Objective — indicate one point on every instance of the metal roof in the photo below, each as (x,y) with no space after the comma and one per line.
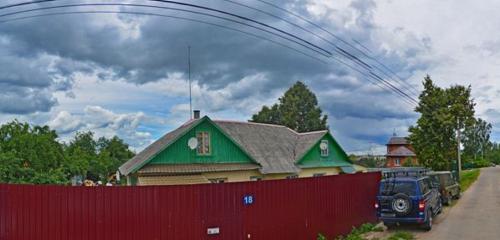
(401,152)
(398,141)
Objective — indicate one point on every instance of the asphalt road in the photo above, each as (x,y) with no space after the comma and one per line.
(475,216)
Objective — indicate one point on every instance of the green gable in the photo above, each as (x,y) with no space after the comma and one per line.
(336,155)
(223,149)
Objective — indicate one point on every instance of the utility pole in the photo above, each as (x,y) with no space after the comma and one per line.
(189,79)
(459,161)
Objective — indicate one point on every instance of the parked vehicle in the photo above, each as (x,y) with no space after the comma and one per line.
(447,186)
(406,196)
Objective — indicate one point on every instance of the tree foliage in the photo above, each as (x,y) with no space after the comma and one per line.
(297,109)
(477,139)
(32,154)
(442,113)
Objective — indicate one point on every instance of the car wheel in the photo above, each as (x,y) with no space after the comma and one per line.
(401,204)
(428,222)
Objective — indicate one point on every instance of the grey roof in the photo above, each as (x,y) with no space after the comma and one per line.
(398,141)
(194,168)
(276,148)
(155,148)
(401,152)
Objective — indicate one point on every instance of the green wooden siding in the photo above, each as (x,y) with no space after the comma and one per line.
(336,157)
(223,150)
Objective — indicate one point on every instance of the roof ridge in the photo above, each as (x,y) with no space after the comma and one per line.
(312,132)
(253,123)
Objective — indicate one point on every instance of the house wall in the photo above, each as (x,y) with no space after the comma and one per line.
(336,156)
(391,161)
(232,176)
(223,150)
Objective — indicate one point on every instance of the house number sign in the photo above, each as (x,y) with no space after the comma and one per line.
(248,199)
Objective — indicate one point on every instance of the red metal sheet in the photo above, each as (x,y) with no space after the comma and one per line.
(281,209)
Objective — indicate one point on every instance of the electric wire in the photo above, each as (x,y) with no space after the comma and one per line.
(166,16)
(199,7)
(399,79)
(345,53)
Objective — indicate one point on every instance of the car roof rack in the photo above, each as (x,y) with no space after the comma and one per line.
(416,172)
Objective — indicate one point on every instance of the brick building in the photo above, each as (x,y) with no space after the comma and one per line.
(399,152)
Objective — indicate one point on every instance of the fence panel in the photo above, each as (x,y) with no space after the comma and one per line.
(278,209)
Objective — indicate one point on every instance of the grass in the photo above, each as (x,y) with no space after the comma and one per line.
(467,178)
(356,233)
(401,236)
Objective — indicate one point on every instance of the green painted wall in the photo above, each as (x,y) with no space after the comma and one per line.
(223,149)
(336,156)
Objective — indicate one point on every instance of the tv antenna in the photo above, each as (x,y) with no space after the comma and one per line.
(189,79)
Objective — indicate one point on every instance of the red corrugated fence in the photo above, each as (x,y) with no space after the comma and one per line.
(281,209)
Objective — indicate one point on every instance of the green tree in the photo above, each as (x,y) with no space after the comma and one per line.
(477,139)
(442,113)
(30,154)
(297,109)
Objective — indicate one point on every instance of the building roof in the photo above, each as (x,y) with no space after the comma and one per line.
(398,141)
(401,152)
(275,148)
(195,168)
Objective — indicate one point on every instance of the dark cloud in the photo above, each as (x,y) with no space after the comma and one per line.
(146,49)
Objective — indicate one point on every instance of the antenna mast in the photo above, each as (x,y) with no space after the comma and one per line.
(189,79)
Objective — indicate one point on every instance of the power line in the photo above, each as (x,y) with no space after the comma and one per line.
(166,16)
(337,48)
(345,53)
(399,79)
(160,7)
(204,8)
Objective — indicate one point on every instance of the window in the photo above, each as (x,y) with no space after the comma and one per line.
(292,176)
(323,147)
(318,174)
(388,188)
(217,180)
(397,162)
(424,186)
(255,178)
(203,143)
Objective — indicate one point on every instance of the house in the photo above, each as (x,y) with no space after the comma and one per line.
(210,151)
(400,152)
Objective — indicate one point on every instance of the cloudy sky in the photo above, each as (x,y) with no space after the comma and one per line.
(125,75)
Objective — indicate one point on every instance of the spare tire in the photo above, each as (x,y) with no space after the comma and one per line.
(401,204)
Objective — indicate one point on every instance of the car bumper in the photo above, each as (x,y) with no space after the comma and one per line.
(401,220)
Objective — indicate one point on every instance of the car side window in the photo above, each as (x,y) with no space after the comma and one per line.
(424,186)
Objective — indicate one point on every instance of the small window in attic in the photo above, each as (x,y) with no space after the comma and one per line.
(203,143)
(323,147)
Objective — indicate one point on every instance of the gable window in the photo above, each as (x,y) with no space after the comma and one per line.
(204,147)
(397,162)
(319,174)
(323,147)
(292,176)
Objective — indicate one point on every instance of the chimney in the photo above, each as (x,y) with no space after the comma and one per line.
(196,114)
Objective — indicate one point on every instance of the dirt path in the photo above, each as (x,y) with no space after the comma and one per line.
(475,216)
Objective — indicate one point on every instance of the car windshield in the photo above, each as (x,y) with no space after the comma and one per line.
(390,188)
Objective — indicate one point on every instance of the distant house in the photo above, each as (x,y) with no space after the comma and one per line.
(400,152)
(210,151)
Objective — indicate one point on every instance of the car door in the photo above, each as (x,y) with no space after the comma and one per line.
(430,194)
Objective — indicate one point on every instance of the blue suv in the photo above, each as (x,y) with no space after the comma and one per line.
(407,197)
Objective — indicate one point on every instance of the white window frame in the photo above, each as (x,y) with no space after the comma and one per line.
(397,162)
(203,141)
(326,152)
